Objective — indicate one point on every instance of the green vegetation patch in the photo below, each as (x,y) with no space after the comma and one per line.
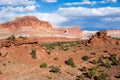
(70,62)
(43,65)
(85,58)
(33,54)
(55,69)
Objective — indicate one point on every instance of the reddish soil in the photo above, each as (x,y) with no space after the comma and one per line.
(16,62)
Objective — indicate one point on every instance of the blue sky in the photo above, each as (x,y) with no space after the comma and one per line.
(88,14)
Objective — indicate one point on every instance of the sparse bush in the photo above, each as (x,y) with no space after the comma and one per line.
(85,58)
(105,51)
(98,78)
(0,72)
(70,62)
(4,64)
(114,60)
(94,62)
(12,37)
(80,77)
(55,69)
(9,61)
(43,65)
(104,76)
(49,52)
(112,57)
(74,51)
(91,73)
(56,58)
(51,46)
(100,60)
(33,54)
(64,48)
(93,53)
(83,68)
(22,37)
(49,77)
(107,64)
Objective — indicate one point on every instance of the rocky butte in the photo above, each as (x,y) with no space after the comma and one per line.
(37,30)
(102,39)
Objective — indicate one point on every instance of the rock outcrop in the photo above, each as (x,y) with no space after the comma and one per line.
(101,39)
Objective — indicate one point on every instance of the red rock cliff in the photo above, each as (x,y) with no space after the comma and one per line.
(30,26)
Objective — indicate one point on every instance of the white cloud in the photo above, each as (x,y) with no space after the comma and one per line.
(82,11)
(80,3)
(111,19)
(53,18)
(88,2)
(50,1)
(10,9)
(17,2)
(30,8)
(111,1)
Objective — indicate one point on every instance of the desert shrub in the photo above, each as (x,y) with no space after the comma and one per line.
(22,37)
(70,62)
(74,51)
(85,58)
(49,52)
(80,77)
(49,77)
(114,60)
(100,60)
(93,53)
(12,37)
(9,61)
(105,51)
(83,68)
(91,73)
(55,69)
(94,62)
(43,65)
(4,64)
(49,47)
(33,54)
(64,48)
(107,64)
(98,78)
(112,57)
(0,72)
(104,75)
(56,58)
